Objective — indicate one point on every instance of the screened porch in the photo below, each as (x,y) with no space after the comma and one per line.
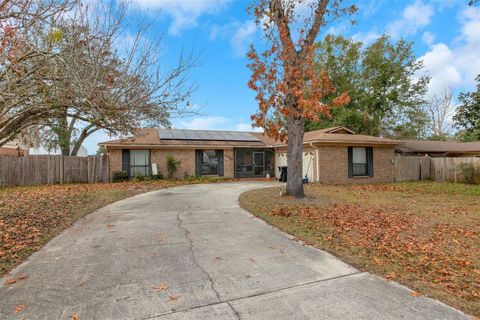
(254,163)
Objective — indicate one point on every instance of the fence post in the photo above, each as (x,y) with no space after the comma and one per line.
(62,167)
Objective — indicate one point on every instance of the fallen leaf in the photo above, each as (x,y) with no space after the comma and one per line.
(110,225)
(251,260)
(173,298)
(391,275)
(161,287)
(19,308)
(415,294)
(15,279)
(74,316)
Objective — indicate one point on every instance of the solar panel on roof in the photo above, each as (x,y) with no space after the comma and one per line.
(190,134)
(229,135)
(181,134)
(165,134)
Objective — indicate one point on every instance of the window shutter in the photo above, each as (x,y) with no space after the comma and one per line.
(198,162)
(126,160)
(370,161)
(220,163)
(350,162)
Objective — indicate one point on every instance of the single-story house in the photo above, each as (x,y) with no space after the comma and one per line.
(438,148)
(333,155)
(14,148)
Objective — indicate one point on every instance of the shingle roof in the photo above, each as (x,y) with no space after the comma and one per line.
(176,137)
(150,136)
(423,146)
(315,136)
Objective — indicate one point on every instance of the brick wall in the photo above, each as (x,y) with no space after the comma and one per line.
(185,156)
(333,161)
(12,151)
(114,160)
(228,158)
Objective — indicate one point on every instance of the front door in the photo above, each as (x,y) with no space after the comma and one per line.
(258,163)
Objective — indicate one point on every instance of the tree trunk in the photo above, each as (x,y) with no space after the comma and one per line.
(85,133)
(295,129)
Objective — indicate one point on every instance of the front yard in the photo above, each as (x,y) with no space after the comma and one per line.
(423,235)
(30,216)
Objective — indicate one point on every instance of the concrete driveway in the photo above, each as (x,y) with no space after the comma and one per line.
(192,253)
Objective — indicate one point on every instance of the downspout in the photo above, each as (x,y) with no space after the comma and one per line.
(317,162)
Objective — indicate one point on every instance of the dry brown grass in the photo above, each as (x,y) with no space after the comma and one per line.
(423,235)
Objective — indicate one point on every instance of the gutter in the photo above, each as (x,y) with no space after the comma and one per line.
(317,162)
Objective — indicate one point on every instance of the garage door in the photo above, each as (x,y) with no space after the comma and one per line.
(307,165)
(280,161)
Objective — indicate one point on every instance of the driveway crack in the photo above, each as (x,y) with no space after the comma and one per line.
(194,259)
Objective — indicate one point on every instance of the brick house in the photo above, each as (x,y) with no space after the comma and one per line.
(333,155)
(14,148)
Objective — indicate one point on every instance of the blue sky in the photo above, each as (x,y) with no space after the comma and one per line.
(446,35)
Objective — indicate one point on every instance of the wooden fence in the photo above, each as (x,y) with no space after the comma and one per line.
(450,169)
(412,168)
(45,169)
(444,169)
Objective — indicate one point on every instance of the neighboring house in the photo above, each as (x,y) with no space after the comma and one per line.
(14,148)
(82,152)
(334,155)
(438,148)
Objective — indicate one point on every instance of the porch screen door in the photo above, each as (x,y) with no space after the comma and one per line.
(258,163)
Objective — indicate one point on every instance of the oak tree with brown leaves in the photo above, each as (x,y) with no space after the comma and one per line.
(289,88)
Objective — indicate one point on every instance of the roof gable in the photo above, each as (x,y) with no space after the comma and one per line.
(338,130)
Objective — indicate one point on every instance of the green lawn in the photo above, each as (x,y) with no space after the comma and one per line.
(424,235)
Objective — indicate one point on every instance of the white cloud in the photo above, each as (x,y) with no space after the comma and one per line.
(247,127)
(369,7)
(438,63)
(243,37)
(204,123)
(414,17)
(213,123)
(428,38)
(366,37)
(458,64)
(184,13)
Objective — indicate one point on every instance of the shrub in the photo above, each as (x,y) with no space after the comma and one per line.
(158,176)
(139,178)
(172,166)
(119,176)
(470,174)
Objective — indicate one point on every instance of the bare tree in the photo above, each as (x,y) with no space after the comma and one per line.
(88,84)
(22,62)
(440,109)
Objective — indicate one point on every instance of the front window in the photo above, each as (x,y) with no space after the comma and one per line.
(359,161)
(139,163)
(210,162)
